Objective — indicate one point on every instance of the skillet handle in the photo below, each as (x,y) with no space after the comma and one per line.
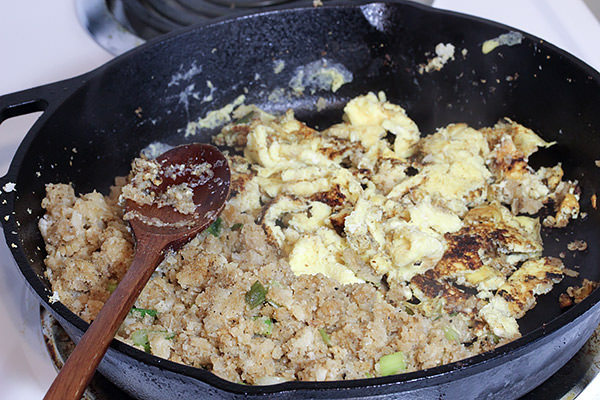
(36,99)
(21,103)
(40,98)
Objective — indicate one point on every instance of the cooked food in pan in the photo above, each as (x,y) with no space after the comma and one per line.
(365,249)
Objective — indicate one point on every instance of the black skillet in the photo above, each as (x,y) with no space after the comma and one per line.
(94,124)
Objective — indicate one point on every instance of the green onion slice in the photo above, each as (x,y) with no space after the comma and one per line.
(392,363)
(140,338)
(215,228)
(265,326)
(112,286)
(237,227)
(325,336)
(246,118)
(451,334)
(144,311)
(169,336)
(495,338)
(257,295)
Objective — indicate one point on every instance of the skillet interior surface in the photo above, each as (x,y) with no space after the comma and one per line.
(151,93)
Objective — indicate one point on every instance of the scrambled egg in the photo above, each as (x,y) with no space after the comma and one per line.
(371,200)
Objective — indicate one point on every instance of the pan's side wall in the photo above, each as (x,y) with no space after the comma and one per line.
(508,377)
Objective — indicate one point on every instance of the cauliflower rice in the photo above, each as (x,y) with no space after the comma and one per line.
(363,250)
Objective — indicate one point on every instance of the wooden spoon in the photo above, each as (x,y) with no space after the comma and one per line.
(156,228)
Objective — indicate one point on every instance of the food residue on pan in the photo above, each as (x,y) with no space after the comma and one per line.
(185,74)
(322,74)
(215,118)
(321,104)
(278,66)
(211,90)
(506,39)
(443,54)
(577,245)
(278,95)
(576,294)
(155,149)
(365,249)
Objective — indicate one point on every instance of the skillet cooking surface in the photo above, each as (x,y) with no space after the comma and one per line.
(150,94)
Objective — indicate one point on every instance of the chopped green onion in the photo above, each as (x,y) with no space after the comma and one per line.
(325,336)
(111,287)
(368,375)
(451,334)
(409,310)
(453,313)
(215,228)
(237,227)
(392,363)
(167,335)
(265,326)
(495,338)
(144,311)
(246,118)
(140,338)
(257,295)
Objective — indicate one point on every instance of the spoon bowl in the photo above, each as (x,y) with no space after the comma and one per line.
(156,227)
(210,189)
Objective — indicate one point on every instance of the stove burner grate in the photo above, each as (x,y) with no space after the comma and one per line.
(150,18)
(119,25)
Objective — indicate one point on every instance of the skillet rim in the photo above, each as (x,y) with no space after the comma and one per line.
(443,373)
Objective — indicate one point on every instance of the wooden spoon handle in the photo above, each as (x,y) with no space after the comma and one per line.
(79,368)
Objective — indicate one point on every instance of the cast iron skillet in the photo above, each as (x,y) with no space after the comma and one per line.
(94,124)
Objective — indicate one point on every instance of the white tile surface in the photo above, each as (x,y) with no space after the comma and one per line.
(41,41)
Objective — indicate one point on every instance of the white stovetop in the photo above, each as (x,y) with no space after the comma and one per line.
(41,41)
